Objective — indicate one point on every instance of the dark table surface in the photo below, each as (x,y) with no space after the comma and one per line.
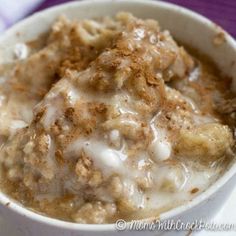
(222,12)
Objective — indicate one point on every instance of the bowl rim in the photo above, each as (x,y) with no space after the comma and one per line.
(17,208)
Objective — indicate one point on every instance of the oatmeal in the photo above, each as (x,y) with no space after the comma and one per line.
(111,118)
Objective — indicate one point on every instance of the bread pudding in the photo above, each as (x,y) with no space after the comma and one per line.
(111,118)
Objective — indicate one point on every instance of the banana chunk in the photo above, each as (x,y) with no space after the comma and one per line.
(205,143)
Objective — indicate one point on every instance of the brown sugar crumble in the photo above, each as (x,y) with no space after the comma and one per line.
(194,190)
(219,39)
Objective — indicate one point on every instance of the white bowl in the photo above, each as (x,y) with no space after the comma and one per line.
(186,26)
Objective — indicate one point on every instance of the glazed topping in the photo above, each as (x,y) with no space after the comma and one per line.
(119,129)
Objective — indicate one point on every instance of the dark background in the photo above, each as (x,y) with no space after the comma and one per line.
(222,12)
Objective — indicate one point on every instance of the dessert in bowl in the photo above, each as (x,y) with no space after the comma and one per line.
(107,118)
